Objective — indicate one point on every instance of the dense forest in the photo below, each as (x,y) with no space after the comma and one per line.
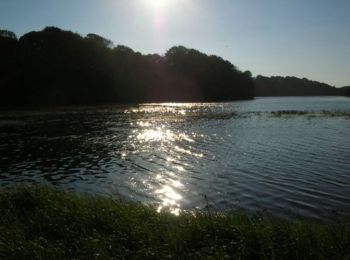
(57,67)
(346,90)
(292,86)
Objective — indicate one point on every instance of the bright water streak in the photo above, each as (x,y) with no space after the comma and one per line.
(237,155)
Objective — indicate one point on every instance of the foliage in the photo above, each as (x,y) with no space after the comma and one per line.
(292,86)
(57,67)
(8,34)
(40,223)
(346,91)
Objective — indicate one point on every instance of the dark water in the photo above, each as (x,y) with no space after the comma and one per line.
(260,154)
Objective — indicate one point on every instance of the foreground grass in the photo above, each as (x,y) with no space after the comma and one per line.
(40,223)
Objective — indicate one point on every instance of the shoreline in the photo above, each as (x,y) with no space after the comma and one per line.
(41,222)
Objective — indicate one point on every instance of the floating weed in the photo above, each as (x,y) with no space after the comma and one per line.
(310,114)
(288,113)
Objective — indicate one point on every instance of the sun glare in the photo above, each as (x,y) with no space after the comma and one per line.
(158,4)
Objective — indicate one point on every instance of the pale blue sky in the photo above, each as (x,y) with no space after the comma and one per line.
(303,38)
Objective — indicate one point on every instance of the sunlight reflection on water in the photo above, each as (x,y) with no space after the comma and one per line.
(249,154)
(157,135)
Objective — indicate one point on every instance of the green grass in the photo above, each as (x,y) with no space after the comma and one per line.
(41,223)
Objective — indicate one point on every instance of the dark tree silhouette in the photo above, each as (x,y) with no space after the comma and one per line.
(56,67)
(8,65)
(292,86)
(208,77)
(346,91)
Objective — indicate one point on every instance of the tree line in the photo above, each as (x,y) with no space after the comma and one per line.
(57,67)
(293,86)
(346,90)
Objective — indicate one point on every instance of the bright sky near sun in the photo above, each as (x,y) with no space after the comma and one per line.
(303,38)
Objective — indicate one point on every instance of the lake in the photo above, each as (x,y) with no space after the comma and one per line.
(287,156)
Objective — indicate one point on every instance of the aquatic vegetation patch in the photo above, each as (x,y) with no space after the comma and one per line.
(288,113)
(309,114)
(42,223)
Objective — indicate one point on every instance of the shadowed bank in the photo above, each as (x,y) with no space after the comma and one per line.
(40,223)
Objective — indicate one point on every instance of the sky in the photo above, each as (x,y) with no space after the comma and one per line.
(302,38)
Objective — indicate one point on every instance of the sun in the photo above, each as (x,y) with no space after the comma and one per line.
(159,4)
(165,5)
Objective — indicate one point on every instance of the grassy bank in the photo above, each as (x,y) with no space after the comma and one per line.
(39,223)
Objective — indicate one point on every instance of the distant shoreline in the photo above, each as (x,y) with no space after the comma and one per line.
(54,67)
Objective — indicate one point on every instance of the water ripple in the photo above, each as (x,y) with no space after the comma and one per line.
(254,155)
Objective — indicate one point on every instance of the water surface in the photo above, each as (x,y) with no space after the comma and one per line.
(282,155)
